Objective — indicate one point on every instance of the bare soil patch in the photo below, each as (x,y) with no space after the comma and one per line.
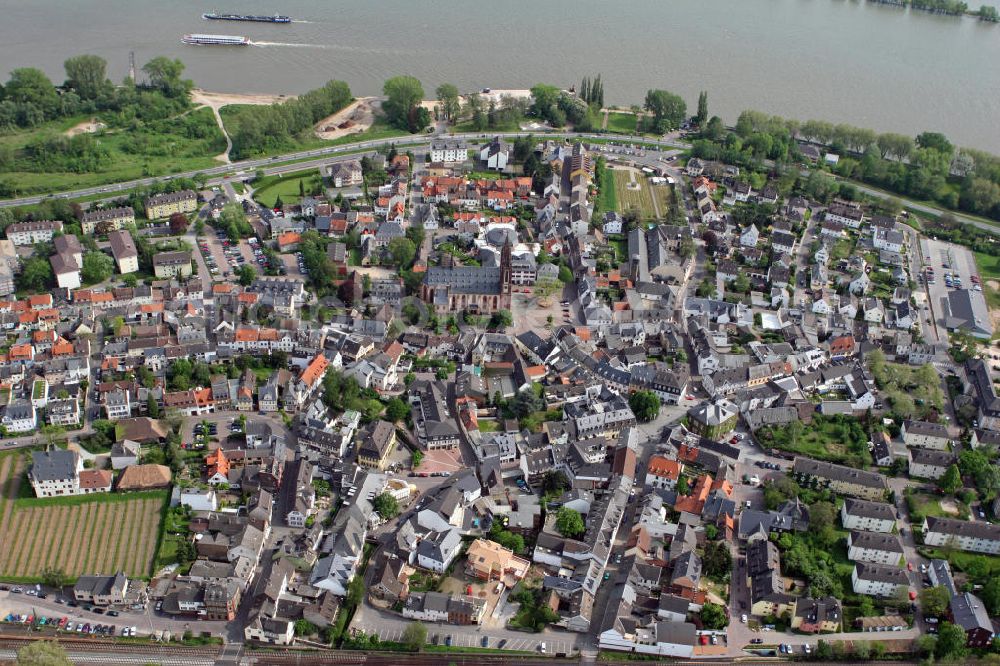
(352,119)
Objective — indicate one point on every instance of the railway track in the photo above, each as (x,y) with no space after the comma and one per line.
(96,651)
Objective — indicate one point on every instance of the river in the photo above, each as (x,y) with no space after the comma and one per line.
(840,60)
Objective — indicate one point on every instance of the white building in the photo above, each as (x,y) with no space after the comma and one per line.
(198,499)
(878,580)
(449,151)
(975,537)
(29,233)
(20,417)
(925,435)
(874,547)
(55,473)
(857,514)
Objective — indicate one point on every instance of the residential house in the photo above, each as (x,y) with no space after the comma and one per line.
(874,547)
(972,536)
(858,514)
(878,580)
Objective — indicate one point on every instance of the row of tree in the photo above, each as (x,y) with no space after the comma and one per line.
(29,97)
(259,129)
(928,166)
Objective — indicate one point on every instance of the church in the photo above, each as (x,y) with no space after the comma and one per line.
(476,289)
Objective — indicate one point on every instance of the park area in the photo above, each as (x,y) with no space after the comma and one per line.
(289,187)
(84,534)
(837,439)
(633,190)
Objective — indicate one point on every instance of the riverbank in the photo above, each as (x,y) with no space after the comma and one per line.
(987,13)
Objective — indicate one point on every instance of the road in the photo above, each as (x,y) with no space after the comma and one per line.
(321,156)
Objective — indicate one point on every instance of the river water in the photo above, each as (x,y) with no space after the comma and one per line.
(839,60)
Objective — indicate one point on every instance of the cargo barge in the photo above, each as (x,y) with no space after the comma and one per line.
(217,40)
(276,18)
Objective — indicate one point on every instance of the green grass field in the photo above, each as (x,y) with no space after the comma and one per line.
(286,187)
(137,153)
(607,199)
(641,198)
(621,123)
(989,266)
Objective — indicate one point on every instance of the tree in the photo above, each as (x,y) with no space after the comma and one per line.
(97,267)
(991,595)
(935,141)
(950,642)
(934,601)
(30,87)
(36,275)
(386,506)
(526,402)
(545,287)
(951,481)
(447,94)
(645,405)
(43,653)
(404,94)
(415,636)
(502,319)
(86,75)
(178,224)
(54,577)
(304,627)
(702,114)
(569,523)
(152,407)
(165,74)
(402,251)
(565,274)
(668,110)
(246,274)
(396,410)
(717,561)
(713,616)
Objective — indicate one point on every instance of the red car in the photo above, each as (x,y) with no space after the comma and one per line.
(704,639)
(913,595)
(909,566)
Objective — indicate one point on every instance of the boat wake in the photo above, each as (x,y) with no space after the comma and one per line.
(291,44)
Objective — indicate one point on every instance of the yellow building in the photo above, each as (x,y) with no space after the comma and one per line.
(172,264)
(165,205)
(106,221)
(375,446)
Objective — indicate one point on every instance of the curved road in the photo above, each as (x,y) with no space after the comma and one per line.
(419,140)
(254,164)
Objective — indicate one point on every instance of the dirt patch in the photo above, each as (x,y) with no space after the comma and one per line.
(217,100)
(353,119)
(91,126)
(994,285)
(949,507)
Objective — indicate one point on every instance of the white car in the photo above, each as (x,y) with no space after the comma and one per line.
(743,618)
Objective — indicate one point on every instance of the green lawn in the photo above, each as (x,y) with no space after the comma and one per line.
(622,123)
(488,426)
(835,439)
(922,505)
(607,198)
(640,199)
(153,150)
(989,266)
(288,187)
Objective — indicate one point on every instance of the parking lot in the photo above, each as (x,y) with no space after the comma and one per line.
(223,257)
(466,636)
(441,461)
(947,259)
